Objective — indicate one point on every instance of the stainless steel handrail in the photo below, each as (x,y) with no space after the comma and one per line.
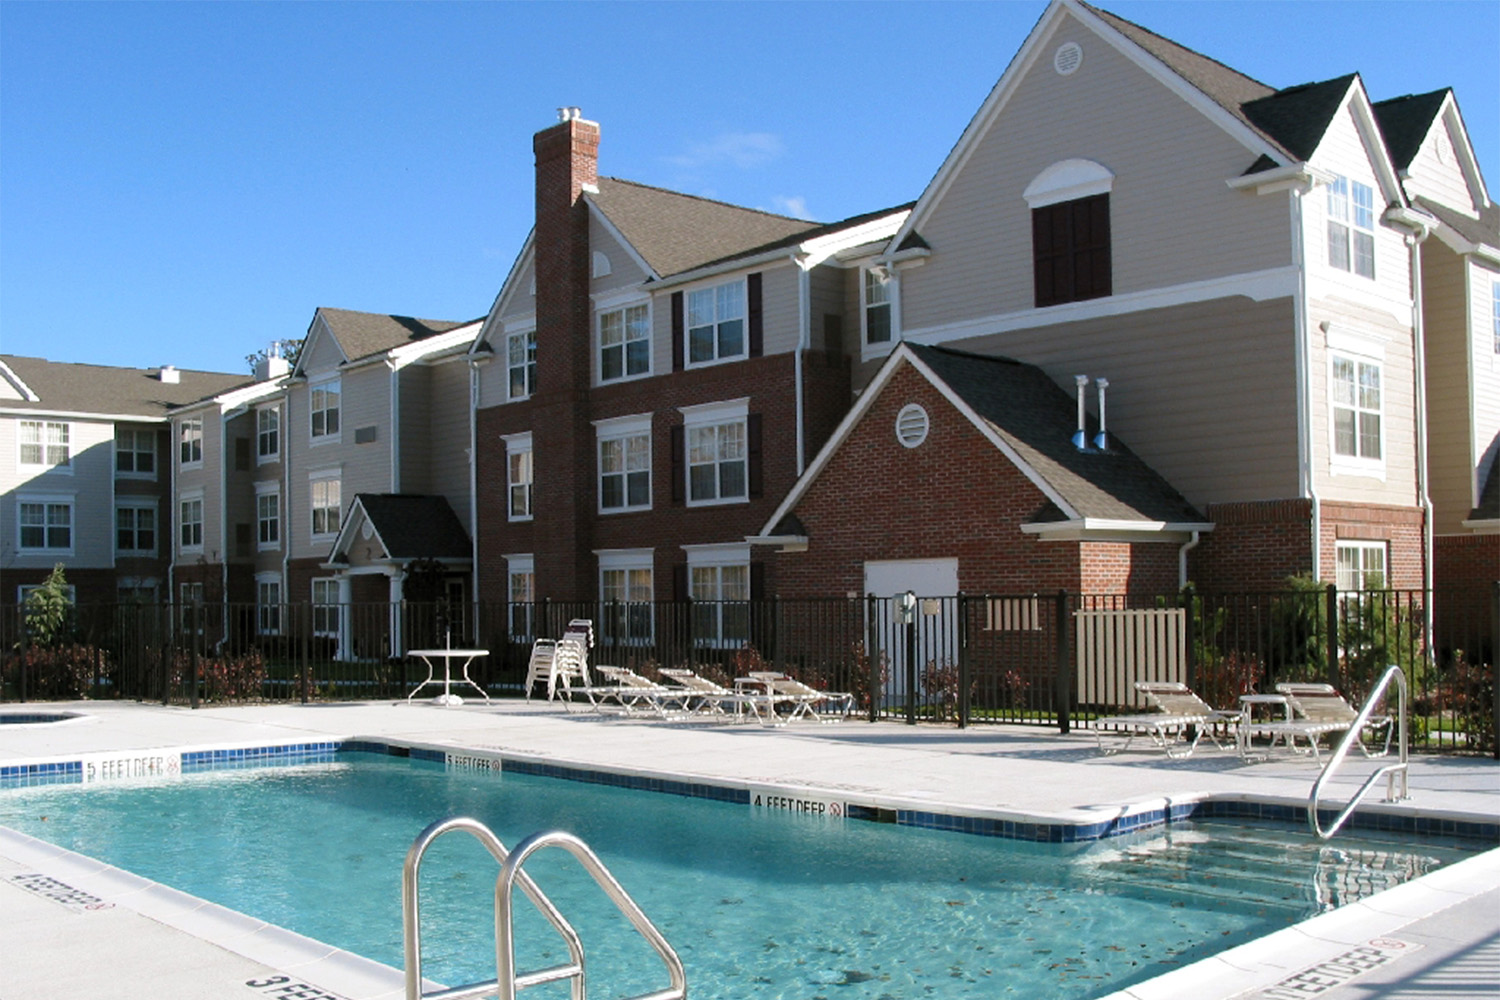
(510,874)
(411,933)
(1389,771)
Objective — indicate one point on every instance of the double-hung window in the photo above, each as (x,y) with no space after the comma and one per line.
(716,323)
(520,364)
(1360,565)
(323,411)
(718,456)
(878,286)
(190,523)
(268,604)
(625,590)
(135,453)
(1356,406)
(521,588)
(135,529)
(1495,312)
(326,505)
(719,585)
(47,444)
(190,441)
(519,473)
(624,463)
(267,517)
(325,607)
(624,343)
(45,524)
(1351,226)
(268,434)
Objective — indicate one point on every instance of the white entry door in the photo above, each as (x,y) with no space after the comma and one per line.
(935,627)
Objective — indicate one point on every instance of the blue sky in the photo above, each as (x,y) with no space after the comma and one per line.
(182,183)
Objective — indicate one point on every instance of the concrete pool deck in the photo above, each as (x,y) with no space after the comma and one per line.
(58,944)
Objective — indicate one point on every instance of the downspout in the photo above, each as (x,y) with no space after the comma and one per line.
(284,429)
(1303,352)
(395,428)
(1182,557)
(224,524)
(174,510)
(804,340)
(1419,376)
(474,481)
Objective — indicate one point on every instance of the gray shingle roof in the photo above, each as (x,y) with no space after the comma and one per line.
(679,232)
(361,334)
(81,388)
(1033,415)
(1405,122)
(416,527)
(1485,229)
(1298,116)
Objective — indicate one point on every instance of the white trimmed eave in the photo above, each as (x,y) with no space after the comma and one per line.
(1483,526)
(507,289)
(1455,241)
(316,330)
(1414,220)
(1022,62)
(398,358)
(345,535)
(132,418)
(27,393)
(1469,163)
(614,231)
(783,543)
(1357,101)
(899,355)
(238,399)
(1292,177)
(876,233)
(1096,529)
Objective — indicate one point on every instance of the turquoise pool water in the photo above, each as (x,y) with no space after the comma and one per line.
(766,904)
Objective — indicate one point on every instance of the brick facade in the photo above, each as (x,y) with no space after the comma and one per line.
(1254,546)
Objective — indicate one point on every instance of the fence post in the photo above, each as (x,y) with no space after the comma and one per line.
(304,668)
(1331,614)
(872,655)
(195,611)
(1062,678)
(1495,661)
(962,605)
(167,647)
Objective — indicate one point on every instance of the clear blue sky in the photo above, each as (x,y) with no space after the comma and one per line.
(182,183)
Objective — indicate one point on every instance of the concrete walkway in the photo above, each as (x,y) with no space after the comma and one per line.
(92,929)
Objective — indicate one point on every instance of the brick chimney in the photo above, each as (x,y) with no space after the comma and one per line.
(567,163)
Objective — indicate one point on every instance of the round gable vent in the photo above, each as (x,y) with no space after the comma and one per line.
(1067,58)
(911,425)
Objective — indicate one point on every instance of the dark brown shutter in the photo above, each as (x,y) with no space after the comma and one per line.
(677,332)
(679,464)
(753,474)
(757,581)
(680,582)
(1070,244)
(754,315)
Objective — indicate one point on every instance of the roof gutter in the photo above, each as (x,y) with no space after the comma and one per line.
(1107,529)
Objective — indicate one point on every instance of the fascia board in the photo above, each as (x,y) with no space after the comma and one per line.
(507,289)
(346,529)
(1110,529)
(1483,526)
(1298,176)
(27,393)
(880,230)
(1456,242)
(130,418)
(779,256)
(1453,116)
(399,357)
(614,231)
(1374,141)
(316,330)
(250,394)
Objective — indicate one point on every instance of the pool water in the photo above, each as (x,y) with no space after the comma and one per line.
(768,904)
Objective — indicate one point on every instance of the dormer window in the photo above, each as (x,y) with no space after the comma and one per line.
(1351,227)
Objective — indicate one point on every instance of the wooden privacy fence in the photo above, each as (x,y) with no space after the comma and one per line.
(1115,648)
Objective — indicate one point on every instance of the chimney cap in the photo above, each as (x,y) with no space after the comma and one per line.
(569,114)
(169,375)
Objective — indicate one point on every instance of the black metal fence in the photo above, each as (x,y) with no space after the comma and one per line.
(1042,659)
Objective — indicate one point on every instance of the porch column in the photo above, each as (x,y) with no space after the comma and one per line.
(346,598)
(397,595)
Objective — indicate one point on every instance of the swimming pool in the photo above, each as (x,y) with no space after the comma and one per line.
(769,903)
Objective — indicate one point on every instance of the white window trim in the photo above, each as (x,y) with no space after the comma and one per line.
(318,440)
(137,503)
(727,411)
(317,605)
(520,564)
(323,476)
(188,496)
(626,560)
(881,348)
(269,488)
(505,365)
(44,465)
(70,500)
(617,303)
(182,425)
(1350,274)
(260,580)
(687,339)
(275,456)
(1068,180)
(718,557)
(1495,314)
(1364,545)
(616,429)
(515,444)
(135,433)
(1360,351)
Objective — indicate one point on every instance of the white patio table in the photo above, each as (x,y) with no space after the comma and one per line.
(427,656)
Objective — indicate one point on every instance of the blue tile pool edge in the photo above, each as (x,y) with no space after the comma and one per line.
(1395,819)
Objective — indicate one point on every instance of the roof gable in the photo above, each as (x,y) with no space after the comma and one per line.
(1405,122)
(1412,125)
(399,527)
(1298,117)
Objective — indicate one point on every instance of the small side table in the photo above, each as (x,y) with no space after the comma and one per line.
(1245,729)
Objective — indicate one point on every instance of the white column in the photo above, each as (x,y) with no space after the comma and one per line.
(398,590)
(346,638)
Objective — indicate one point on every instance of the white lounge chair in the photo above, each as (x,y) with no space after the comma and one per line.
(1318,709)
(805,700)
(558,662)
(628,693)
(706,698)
(1178,712)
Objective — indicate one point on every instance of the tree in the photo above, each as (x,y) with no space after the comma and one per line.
(49,609)
(291,350)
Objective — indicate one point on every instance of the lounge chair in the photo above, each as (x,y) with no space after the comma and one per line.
(1178,712)
(1319,709)
(628,693)
(805,700)
(705,698)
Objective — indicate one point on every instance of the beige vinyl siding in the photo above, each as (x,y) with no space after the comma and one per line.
(493,377)
(448,444)
(780,304)
(624,272)
(1446,332)
(522,301)
(1172,218)
(1203,393)
(323,354)
(1396,481)
(826,295)
(8,391)
(90,488)
(1343,151)
(1486,367)
(1440,177)
(204,480)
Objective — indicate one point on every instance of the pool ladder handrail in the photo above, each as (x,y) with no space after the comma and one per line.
(1389,771)
(507,981)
